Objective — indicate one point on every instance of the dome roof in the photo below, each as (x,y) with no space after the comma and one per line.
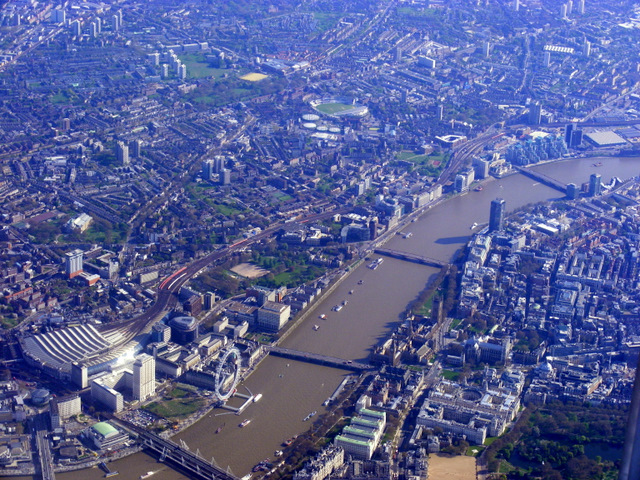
(105,429)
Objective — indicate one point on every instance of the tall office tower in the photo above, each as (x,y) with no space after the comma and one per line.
(516,5)
(207,169)
(535,113)
(99,24)
(58,16)
(93,29)
(572,191)
(122,153)
(182,72)
(73,263)
(155,59)
(144,377)
(486,49)
(586,48)
(76,28)
(576,138)
(569,7)
(176,66)
(481,167)
(595,184)
(398,54)
(119,14)
(135,148)
(496,215)
(219,163)
(225,177)
(581,7)
(563,11)
(115,23)
(459,183)
(568,132)
(373,228)
(209,300)
(546,59)
(440,112)
(165,70)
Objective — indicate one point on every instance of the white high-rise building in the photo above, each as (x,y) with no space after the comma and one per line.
(73,263)
(547,59)
(144,377)
(516,5)
(122,153)
(581,7)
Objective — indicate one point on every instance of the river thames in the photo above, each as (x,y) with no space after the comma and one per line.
(291,390)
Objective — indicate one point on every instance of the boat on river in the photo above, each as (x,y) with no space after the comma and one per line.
(312,414)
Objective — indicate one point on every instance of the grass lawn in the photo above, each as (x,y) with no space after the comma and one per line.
(474,450)
(59,98)
(506,467)
(326,20)
(450,375)
(412,157)
(415,12)
(199,67)
(282,197)
(331,108)
(176,408)
(489,440)
(455,323)
(283,278)
(226,209)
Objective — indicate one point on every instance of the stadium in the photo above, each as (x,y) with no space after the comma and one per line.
(339,108)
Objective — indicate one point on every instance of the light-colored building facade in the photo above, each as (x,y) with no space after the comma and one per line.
(73,263)
(273,316)
(144,377)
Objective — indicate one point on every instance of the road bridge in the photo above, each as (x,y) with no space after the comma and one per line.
(45,458)
(410,257)
(540,177)
(318,359)
(190,463)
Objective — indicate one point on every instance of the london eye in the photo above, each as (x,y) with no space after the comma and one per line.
(227,373)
